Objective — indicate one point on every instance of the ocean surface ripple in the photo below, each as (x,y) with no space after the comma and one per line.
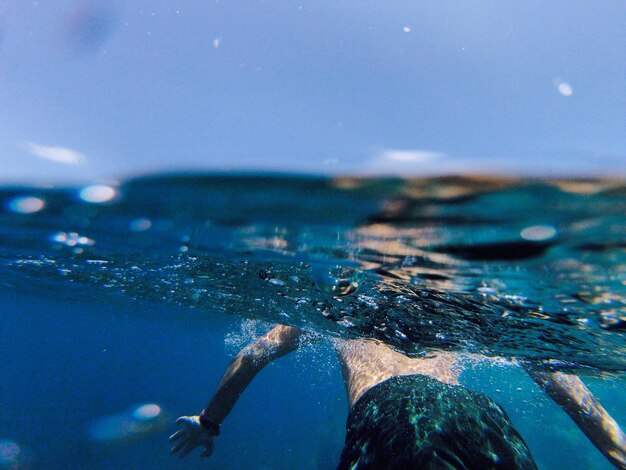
(531,269)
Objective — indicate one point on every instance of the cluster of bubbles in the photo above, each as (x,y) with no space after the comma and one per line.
(72,240)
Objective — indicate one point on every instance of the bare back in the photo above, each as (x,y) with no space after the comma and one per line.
(366,363)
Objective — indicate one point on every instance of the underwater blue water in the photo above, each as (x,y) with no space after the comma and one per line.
(114,297)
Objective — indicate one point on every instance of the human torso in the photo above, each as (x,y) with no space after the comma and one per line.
(366,363)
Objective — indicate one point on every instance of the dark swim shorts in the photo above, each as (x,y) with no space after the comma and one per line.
(415,421)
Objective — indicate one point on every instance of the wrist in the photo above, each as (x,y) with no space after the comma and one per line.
(212,427)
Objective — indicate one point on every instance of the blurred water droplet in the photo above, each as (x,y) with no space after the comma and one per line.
(337,280)
(26,205)
(140,225)
(136,422)
(98,193)
(147,412)
(564,88)
(538,233)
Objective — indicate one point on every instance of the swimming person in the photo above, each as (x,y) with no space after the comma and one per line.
(408,412)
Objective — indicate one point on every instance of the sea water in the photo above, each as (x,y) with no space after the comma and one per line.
(122,304)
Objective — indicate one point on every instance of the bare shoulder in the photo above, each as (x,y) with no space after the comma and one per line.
(281,339)
(284,333)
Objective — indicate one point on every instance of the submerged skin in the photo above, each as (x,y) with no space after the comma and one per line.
(585,410)
(367,363)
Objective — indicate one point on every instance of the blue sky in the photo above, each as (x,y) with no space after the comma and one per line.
(95,90)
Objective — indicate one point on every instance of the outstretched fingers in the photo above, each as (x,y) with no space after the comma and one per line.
(186,449)
(179,446)
(189,436)
(177,435)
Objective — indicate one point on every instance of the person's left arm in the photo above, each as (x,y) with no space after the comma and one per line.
(569,392)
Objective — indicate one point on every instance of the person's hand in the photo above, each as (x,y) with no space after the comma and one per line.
(191,435)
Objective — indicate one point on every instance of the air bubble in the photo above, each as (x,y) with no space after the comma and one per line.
(337,280)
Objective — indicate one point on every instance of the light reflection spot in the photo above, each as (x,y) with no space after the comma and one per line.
(564,88)
(147,411)
(26,205)
(72,239)
(140,225)
(98,193)
(538,233)
(60,237)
